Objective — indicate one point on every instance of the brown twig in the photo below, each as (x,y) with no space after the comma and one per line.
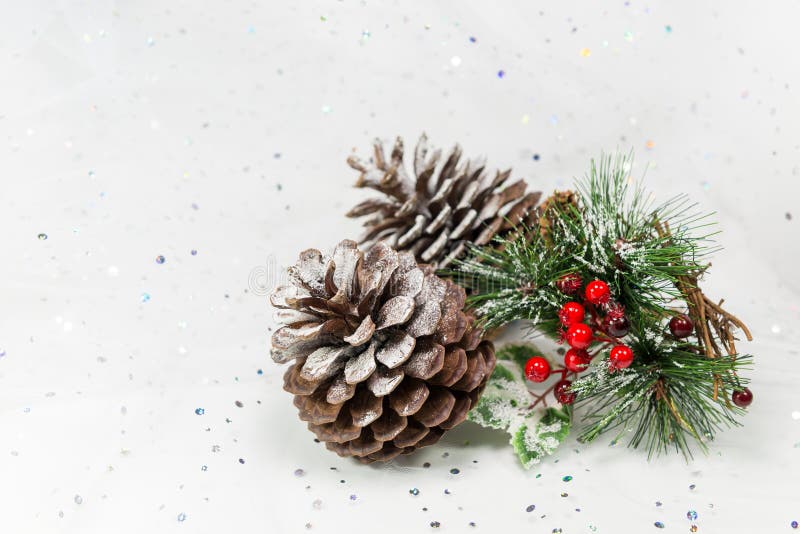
(706,315)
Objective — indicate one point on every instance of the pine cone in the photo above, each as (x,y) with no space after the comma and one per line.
(558,202)
(441,208)
(385,358)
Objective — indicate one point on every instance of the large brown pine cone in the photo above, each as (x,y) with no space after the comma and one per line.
(386,359)
(442,207)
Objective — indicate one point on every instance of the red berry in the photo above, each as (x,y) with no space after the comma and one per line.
(597,292)
(562,393)
(570,313)
(742,398)
(579,336)
(569,284)
(621,356)
(618,326)
(577,360)
(537,369)
(681,326)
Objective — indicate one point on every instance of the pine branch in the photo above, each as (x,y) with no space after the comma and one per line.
(652,256)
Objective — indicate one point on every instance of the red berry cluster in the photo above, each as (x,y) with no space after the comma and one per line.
(579,333)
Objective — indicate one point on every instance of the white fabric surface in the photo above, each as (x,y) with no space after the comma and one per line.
(130,130)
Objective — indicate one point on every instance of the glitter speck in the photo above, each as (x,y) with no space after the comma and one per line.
(567,478)
(536,157)
(659,524)
(501,73)
(160,259)
(794,524)
(455,471)
(650,144)
(199,411)
(145,297)
(194,252)
(181,517)
(414,491)
(565,494)
(530,508)
(42,237)
(473,40)
(78,499)
(691,515)
(241,460)
(317,504)
(693,528)
(353,497)
(585,52)
(658,503)
(239,404)
(668,28)
(435,524)
(299,472)
(692,486)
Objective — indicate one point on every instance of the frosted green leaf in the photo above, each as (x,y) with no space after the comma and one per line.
(535,440)
(506,405)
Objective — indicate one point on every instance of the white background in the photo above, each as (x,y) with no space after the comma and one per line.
(130,130)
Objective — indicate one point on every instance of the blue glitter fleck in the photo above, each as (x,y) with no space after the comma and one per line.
(414,491)
(691,515)
(455,471)
(199,411)
(160,259)
(473,40)
(530,508)
(181,517)
(659,524)
(501,73)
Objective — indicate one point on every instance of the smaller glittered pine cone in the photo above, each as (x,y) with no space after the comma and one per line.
(442,205)
(385,357)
